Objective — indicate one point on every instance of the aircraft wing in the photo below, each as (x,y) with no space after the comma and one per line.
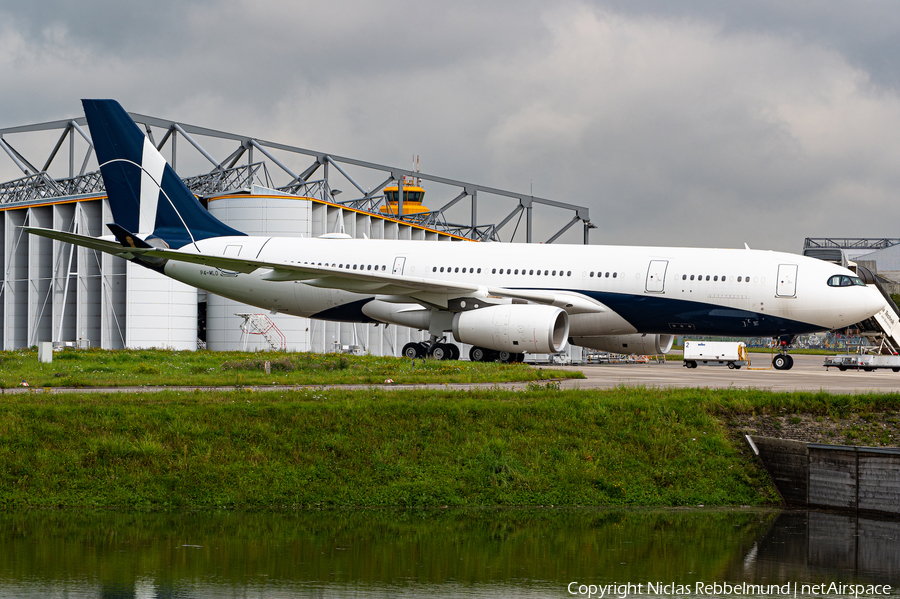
(418,289)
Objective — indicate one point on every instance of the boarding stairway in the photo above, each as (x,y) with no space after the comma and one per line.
(260,324)
(884,327)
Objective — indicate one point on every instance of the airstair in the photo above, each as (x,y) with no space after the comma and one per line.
(260,324)
(883,328)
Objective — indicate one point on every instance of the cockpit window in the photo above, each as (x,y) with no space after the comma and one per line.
(844,281)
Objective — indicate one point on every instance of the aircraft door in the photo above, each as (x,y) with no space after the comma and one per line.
(787,281)
(656,276)
(399,261)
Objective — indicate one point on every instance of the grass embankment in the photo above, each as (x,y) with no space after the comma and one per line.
(118,368)
(541,446)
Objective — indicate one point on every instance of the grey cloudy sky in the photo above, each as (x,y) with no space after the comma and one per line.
(699,122)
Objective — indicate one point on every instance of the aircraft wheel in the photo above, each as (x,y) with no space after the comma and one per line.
(520,358)
(412,351)
(454,351)
(441,351)
(782,362)
(478,354)
(505,356)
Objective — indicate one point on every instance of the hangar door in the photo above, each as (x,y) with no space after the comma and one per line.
(787,280)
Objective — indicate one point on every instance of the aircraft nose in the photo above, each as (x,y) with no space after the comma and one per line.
(873,302)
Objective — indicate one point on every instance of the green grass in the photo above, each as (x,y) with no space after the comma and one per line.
(116,368)
(421,448)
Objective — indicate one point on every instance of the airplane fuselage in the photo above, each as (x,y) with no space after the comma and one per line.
(651,290)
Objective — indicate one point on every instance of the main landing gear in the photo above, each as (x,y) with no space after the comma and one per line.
(481,354)
(450,351)
(431,349)
(783,361)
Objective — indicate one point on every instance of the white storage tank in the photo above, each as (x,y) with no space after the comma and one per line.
(265,212)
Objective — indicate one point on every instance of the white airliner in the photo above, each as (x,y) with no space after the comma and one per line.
(503,299)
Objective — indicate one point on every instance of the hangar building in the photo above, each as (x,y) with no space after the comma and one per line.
(51,291)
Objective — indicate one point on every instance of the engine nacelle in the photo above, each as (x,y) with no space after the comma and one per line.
(643,345)
(516,328)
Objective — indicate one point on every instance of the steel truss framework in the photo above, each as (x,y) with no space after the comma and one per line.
(850,243)
(259,158)
(841,249)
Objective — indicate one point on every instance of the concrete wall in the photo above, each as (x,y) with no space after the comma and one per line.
(832,476)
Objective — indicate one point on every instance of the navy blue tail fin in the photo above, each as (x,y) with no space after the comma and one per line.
(145,194)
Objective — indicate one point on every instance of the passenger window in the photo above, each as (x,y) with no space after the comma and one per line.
(354,267)
(716,278)
(508,271)
(464,271)
(554,273)
(517,272)
(442,269)
(607,275)
(707,277)
(531,272)
(369,267)
(692,277)
(479,271)
(456,269)
(568,273)
(614,274)
(747,279)
(592,274)
(739,279)
(684,277)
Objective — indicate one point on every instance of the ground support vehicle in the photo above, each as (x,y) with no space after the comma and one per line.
(867,362)
(715,353)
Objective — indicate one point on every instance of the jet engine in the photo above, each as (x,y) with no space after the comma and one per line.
(644,345)
(515,328)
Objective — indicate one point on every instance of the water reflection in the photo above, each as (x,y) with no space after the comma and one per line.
(816,545)
(448,553)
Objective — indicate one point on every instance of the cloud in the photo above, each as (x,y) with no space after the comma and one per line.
(696,125)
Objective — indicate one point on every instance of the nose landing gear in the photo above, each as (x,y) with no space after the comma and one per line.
(783,361)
